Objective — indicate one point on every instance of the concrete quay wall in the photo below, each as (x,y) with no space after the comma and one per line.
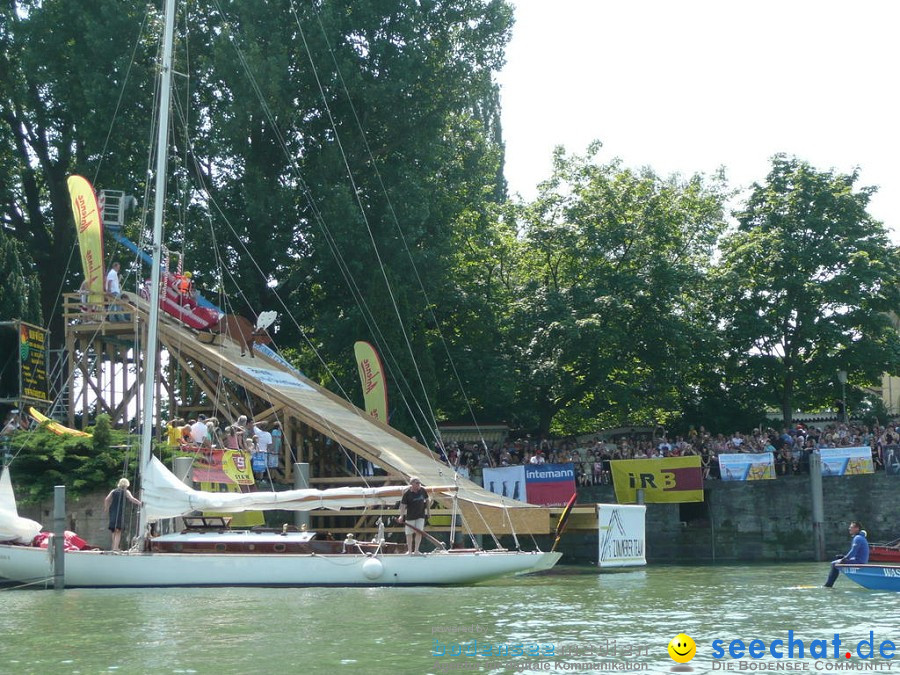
(762,521)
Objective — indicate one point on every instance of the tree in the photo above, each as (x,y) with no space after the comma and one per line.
(605,325)
(19,291)
(62,72)
(276,105)
(805,286)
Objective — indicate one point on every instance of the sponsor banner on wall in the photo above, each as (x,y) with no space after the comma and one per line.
(550,484)
(543,484)
(891,455)
(746,466)
(508,481)
(33,362)
(663,480)
(229,467)
(846,461)
(623,542)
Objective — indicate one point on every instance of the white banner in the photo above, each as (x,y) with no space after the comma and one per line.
(508,481)
(623,540)
(846,461)
(744,466)
(275,378)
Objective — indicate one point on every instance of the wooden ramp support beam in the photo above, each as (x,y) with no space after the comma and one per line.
(312,405)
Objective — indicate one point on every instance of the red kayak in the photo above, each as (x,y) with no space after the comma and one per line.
(184,306)
(881,553)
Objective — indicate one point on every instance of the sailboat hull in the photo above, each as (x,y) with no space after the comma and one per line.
(107,569)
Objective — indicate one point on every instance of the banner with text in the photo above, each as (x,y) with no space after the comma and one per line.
(550,484)
(758,466)
(846,461)
(663,480)
(542,484)
(371,376)
(622,535)
(229,467)
(33,362)
(90,234)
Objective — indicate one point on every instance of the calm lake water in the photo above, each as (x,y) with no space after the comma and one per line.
(394,630)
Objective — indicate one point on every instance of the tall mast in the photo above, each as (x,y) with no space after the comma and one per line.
(162,149)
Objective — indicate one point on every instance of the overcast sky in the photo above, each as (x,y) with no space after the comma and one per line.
(691,85)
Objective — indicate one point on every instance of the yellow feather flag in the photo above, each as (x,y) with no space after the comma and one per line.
(90,233)
(371,375)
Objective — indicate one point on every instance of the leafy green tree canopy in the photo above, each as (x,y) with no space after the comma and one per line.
(805,286)
(610,273)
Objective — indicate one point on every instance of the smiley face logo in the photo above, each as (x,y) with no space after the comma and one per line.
(682,648)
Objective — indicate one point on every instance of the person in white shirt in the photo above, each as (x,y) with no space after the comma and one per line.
(115,290)
(199,430)
(263,437)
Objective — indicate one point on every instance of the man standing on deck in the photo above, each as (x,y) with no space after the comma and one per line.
(413,512)
(114,289)
(858,553)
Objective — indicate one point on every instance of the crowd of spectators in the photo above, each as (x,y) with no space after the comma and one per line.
(791,447)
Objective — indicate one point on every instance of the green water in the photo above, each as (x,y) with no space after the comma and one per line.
(393,630)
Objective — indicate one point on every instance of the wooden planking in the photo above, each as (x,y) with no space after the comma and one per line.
(351,427)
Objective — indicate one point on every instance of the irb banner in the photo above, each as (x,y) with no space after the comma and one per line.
(846,461)
(757,466)
(550,484)
(663,480)
(622,536)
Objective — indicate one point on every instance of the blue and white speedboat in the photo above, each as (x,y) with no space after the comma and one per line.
(874,576)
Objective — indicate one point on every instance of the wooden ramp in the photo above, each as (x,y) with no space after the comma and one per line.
(343,422)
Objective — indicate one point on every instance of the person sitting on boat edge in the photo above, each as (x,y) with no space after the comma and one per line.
(413,512)
(858,553)
(115,505)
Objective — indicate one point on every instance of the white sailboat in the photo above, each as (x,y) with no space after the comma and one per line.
(218,557)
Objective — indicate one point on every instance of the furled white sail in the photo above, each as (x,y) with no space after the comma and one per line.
(164,496)
(13,527)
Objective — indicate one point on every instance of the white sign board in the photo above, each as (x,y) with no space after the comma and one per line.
(506,481)
(275,378)
(623,541)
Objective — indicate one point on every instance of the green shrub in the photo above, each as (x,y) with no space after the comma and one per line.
(43,459)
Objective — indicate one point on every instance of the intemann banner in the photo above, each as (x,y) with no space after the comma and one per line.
(543,484)
(747,466)
(846,461)
(550,484)
(663,480)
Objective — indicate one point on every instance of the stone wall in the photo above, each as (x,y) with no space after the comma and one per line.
(739,521)
(84,516)
(755,520)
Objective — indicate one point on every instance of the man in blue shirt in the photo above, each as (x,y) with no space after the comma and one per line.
(858,553)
